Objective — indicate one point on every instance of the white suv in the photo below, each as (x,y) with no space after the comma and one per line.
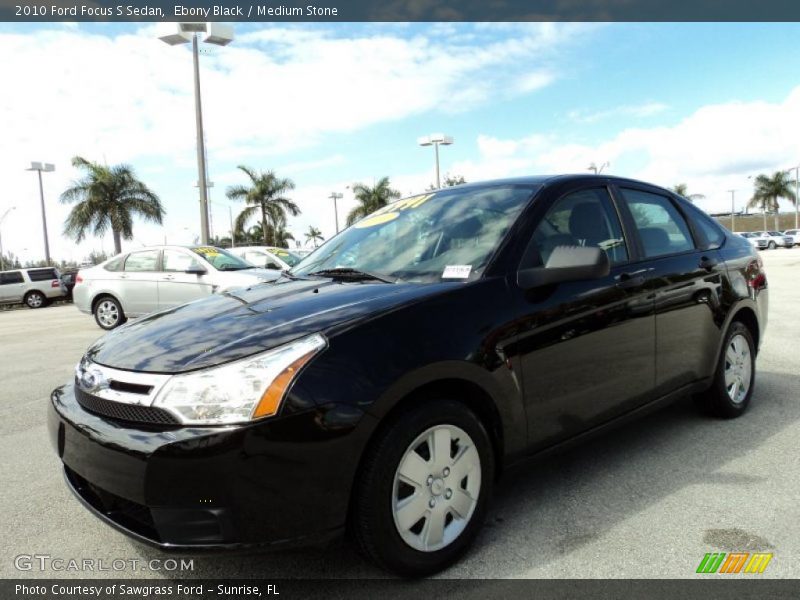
(794,234)
(34,287)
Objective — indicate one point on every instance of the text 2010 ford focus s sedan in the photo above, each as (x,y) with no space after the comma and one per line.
(382,385)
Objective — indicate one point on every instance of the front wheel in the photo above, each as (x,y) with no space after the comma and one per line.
(734,378)
(424,489)
(772,245)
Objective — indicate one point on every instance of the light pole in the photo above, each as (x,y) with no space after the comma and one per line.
(336,197)
(796,192)
(436,140)
(47,168)
(221,35)
(733,210)
(2,256)
(597,170)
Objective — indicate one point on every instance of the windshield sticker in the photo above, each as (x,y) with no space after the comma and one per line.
(207,251)
(456,271)
(391,211)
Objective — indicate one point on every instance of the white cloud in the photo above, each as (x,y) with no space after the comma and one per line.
(713,150)
(648,109)
(128,98)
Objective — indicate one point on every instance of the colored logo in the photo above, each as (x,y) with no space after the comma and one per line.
(734,562)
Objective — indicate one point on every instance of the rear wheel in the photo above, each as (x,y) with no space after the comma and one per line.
(35,299)
(734,378)
(424,488)
(108,313)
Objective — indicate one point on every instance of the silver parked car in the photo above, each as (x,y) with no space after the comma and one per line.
(158,278)
(33,287)
(757,241)
(268,257)
(776,239)
(794,234)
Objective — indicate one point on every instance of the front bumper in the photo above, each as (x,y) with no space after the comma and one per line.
(280,481)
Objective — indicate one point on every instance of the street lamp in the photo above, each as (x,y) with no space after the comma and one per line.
(2,256)
(47,168)
(733,210)
(221,35)
(597,170)
(436,140)
(336,197)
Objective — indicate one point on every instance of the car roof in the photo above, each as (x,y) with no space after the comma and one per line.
(551,179)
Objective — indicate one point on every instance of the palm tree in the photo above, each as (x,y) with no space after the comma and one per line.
(108,198)
(683,190)
(266,194)
(313,234)
(282,237)
(371,198)
(768,190)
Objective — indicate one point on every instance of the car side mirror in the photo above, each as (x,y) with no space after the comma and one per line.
(566,263)
(196,270)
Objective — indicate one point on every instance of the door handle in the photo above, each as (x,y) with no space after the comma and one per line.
(630,280)
(168,277)
(123,276)
(708,263)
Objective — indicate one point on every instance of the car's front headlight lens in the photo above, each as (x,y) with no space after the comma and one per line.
(239,391)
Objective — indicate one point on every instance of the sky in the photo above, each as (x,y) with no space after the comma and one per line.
(329,105)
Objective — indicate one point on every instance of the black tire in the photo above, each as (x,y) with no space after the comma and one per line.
(772,245)
(372,517)
(104,309)
(717,401)
(35,299)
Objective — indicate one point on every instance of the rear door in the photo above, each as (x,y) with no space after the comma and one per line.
(686,278)
(587,348)
(138,282)
(11,286)
(175,286)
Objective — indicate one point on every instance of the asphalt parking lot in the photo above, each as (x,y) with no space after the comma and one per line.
(647,501)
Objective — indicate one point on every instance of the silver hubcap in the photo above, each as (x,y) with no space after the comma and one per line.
(436,488)
(34,300)
(738,368)
(107,313)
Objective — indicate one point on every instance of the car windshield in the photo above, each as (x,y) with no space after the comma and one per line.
(221,259)
(290,258)
(446,235)
(774,233)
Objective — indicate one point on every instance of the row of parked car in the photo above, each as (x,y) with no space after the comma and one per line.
(146,279)
(769,240)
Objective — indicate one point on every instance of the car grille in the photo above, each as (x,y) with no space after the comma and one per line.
(121,411)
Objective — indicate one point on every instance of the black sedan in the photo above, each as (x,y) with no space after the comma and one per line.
(383,384)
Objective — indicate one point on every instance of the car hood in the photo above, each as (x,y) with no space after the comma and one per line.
(231,279)
(246,321)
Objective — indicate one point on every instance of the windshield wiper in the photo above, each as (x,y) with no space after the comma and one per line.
(351,274)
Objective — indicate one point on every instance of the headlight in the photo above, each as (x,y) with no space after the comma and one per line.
(239,391)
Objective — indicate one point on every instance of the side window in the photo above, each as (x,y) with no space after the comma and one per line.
(116,264)
(662,229)
(10,277)
(147,260)
(176,261)
(42,274)
(584,218)
(709,229)
(256,258)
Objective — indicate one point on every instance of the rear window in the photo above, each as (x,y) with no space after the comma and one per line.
(116,264)
(11,277)
(42,274)
(662,229)
(710,230)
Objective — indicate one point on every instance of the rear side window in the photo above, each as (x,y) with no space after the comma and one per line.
(147,260)
(116,264)
(583,218)
(10,277)
(710,230)
(661,227)
(42,274)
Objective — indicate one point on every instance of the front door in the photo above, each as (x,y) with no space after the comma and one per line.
(587,347)
(175,285)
